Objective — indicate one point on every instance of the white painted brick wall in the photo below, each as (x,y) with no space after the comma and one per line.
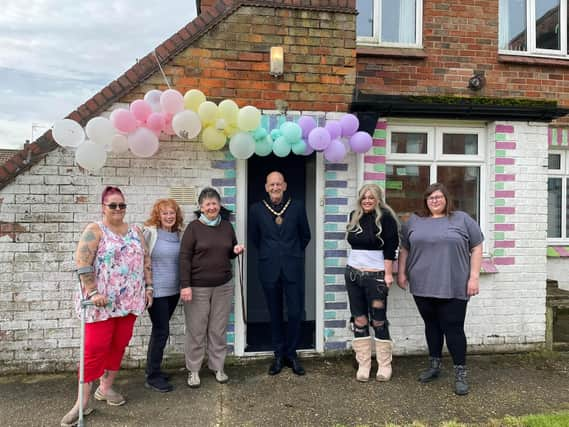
(38,328)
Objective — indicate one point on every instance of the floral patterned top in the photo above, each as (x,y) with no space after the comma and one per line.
(119,274)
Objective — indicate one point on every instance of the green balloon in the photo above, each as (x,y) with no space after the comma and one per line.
(264,147)
(281,147)
(299,148)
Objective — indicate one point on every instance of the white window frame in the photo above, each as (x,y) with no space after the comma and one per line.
(375,40)
(563,174)
(435,157)
(532,50)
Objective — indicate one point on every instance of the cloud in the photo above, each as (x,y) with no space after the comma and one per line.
(55,54)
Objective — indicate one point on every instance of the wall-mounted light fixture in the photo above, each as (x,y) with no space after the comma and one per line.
(477,81)
(277,61)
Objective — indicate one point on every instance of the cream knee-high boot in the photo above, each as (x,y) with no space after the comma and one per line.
(384,355)
(362,347)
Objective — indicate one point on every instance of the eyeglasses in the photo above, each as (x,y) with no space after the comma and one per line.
(115,206)
(434,198)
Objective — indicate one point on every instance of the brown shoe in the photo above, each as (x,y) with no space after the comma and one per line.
(72,417)
(112,397)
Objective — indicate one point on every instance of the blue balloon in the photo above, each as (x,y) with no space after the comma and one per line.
(281,147)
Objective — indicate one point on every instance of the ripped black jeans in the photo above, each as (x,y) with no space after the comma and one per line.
(367,294)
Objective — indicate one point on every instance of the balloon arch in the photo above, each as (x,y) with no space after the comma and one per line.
(139,128)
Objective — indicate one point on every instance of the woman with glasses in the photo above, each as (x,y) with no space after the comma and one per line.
(373,236)
(440,258)
(115,274)
(208,246)
(162,233)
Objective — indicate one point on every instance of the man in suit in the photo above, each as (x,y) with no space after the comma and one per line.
(279,229)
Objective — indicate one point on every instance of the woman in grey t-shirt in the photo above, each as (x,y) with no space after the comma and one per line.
(440,257)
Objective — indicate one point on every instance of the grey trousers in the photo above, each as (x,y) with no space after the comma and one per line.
(207,315)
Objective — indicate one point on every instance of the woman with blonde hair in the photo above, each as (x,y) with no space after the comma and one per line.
(162,233)
(372,233)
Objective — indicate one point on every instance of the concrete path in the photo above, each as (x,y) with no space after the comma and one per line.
(327,396)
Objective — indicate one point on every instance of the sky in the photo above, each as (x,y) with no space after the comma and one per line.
(56,54)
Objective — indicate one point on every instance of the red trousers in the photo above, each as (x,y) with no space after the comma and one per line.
(105,343)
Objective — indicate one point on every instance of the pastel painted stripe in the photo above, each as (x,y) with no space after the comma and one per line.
(505,244)
(505,128)
(505,210)
(488,266)
(381,124)
(374,176)
(504,161)
(505,177)
(504,260)
(374,159)
(505,145)
(505,194)
(558,251)
(504,227)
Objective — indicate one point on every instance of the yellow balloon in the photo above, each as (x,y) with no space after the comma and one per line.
(228,111)
(207,112)
(231,130)
(249,118)
(213,139)
(193,99)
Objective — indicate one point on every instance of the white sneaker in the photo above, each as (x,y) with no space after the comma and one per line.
(221,377)
(194,379)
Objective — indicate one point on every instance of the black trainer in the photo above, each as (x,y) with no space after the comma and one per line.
(295,365)
(158,384)
(276,366)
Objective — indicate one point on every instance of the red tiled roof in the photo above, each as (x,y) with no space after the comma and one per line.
(6,154)
(147,66)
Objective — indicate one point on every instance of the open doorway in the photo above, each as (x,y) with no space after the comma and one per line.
(300,175)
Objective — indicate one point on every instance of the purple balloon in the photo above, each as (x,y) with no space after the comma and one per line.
(335,152)
(308,150)
(319,138)
(349,124)
(306,123)
(361,142)
(334,129)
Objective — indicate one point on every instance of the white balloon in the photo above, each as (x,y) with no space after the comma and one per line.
(153,98)
(242,145)
(100,130)
(187,124)
(91,156)
(68,133)
(119,144)
(143,143)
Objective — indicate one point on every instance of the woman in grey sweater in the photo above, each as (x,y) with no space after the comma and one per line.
(162,234)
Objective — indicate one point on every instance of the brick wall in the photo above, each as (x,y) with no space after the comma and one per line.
(458,39)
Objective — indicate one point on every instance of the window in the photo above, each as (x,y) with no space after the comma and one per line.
(557,196)
(419,156)
(389,22)
(534,27)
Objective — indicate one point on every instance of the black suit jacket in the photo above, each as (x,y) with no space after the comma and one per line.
(280,247)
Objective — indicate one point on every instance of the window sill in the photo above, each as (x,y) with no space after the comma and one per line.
(391,52)
(532,60)
(558,251)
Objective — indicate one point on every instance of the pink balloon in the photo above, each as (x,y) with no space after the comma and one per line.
(306,123)
(361,142)
(334,129)
(155,122)
(335,152)
(143,143)
(319,138)
(172,101)
(140,109)
(349,124)
(124,121)
(168,129)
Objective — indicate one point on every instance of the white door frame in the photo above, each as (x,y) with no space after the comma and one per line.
(241,207)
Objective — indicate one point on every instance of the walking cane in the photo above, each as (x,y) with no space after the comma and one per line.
(84,304)
(240,267)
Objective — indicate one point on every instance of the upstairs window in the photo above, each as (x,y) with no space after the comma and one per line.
(389,22)
(557,197)
(534,27)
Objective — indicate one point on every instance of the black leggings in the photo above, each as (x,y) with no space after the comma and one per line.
(444,318)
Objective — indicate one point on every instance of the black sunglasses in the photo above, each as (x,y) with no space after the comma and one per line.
(114,206)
